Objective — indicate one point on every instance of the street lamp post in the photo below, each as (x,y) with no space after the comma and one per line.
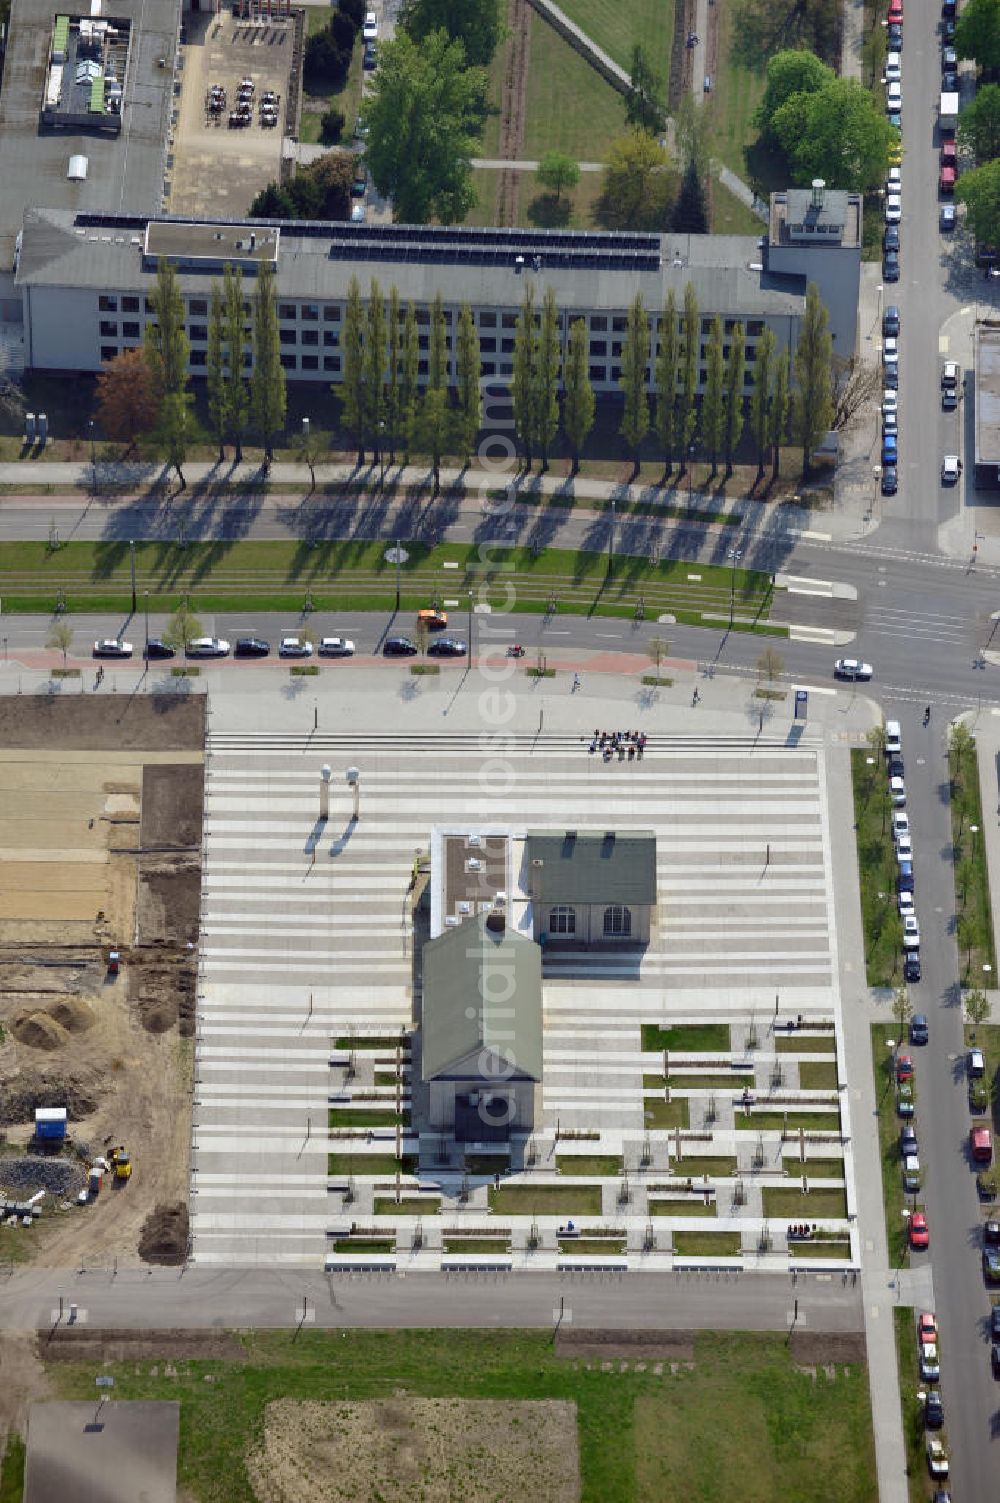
(611,540)
(690,469)
(381,452)
(735,554)
(131,560)
(93,457)
(145,601)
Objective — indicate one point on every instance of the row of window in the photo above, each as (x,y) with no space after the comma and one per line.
(617,922)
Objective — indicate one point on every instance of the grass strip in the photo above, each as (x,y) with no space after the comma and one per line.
(687,1038)
(974,916)
(782,1200)
(664,1114)
(359,1116)
(877,870)
(718,1166)
(386,1206)
(600,1165)
(813,1249)
(814,1168)
(368,1164)
(476,1244)
(789,1121)
(545,1200)
(359,1042)
(818,1075)
(12,1470)
(910,1385)
(364,1244)
(888,1143)
(593,1245)
(682,1207)
(804,1044)
(708,1244)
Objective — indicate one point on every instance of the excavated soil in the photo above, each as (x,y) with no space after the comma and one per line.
(147,722)
(92,1344)
(164,1236)
(39,1030)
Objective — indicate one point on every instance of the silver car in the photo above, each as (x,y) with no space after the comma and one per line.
(207,647)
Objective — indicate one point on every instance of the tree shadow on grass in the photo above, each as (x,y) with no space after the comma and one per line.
(550,212)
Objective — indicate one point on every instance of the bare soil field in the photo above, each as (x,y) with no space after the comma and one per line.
(438,1450)
(101,847)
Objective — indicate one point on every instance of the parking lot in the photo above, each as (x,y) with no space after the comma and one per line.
(219,168)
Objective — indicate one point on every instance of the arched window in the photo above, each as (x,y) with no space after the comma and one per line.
(562,919)
(617,921)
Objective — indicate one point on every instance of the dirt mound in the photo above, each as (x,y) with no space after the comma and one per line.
(162,984)
(75,1015)
(39,1030)
(30,1089)
(164,1235)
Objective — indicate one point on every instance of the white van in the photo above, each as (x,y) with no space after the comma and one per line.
(893,738)
(911,1173)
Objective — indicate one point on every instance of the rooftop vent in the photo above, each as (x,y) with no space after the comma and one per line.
(818,192)
(496,923)
(77,169)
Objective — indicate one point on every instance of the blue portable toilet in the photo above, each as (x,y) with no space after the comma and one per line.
(50,1123)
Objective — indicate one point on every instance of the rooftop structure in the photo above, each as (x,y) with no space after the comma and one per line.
(987,412)
(88,63)
(814,235)
(592,866)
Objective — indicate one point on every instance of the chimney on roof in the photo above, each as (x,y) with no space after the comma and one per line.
(253,240)
(496,921)
(818,192)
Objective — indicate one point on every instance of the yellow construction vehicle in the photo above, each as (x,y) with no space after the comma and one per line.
(121,1164)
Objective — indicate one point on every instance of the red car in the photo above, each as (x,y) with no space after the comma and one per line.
(981,1145)
(904,1067)
(946,180)
(920,1235)
(927,1327)
(895,17)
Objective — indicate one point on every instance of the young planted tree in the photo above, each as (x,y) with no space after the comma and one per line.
(770,665)
(182,627)
(635,363)
(409,378)
(522,387)
(687,413)
(665,374)
(578,395)
(713,409)
(558,171)
(237,396)
(760,398)
(60,638)
(127,404)
(977,1008)
(735,371)
(268,396)
(545,376)
(393,386)
(657,647)
(374,370)
(352,386)
(778,410)
(215,372)
(902,1012)
(467,369)
(813,403)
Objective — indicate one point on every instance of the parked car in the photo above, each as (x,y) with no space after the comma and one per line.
(951,468)
(895,765)
(399,647)
(897,792)
(433,618)
(295,647)
(336,647)
(894,98)
(991,1234)
(890,375)
(904,877)
(911,1174)
(893,208)
(890,320)
(911,966)
(904,1067)
(370,60)
(890,448)
(893,70)
(946,219)
(447,647)
(981,1145)
(927,1327)
(991,1265)
(937,1457)
(919,1232)
(890,237)
(890,401)
(904,848)
(894,37)
(904,902)
(949,82)
(890,422)
(911,932)
(890,266)
(995,1322)
(995,1356)
(369,30)
(908,1141)
(919,1029)
(890,480)
(895,16)
(930,1365)
(946,181)
(949,59)
(112,647)
(900,822)
(975,1064)
(207,647)
(157,648)
(852,668)
(905,1104)
(251,647)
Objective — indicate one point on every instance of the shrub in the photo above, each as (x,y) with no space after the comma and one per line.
(331,124)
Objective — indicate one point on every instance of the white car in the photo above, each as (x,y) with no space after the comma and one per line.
(207,647)
(900,822)
(911,932)
(890,347)
(893,208)
(336,647)
(295,647)
(893,68)
(369,30)
(897,791)
(890,400)
(112,647)
(904,848)
(905,903)
(930,1367)
(894,98)
(852,668)
(937,1457)
(951,468)
(894,180)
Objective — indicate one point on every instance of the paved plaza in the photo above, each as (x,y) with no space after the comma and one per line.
(308,947)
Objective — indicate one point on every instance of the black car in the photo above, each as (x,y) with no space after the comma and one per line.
(890,480)
(894,38)
(991,1238)
(911,967)
(890,237)
(995,1358)
(908,1141)
(933,1410)
(890,377)
(949,59)
(251,647)
(896,767)
(890,319)
(399,647)
(919,1029)
(948,30)
(890,266)
(995,1322)
(155,648)
(447,647)
(370,61)
(949,82)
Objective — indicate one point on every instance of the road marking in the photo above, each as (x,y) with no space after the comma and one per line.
(816,688)
(796,586)
(816,537)
(610,636)
(822,635)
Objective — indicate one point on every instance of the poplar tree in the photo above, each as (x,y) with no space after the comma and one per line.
(736,364)
(778,423)
(166,348)
(352,386)
(374,369)
(215,372)
(393,388)
(545,376)
(435,414)
(760,397)
(666,370)
(467,369)
(522,386)
(238,397)
(578,394)
(409,382)
(813,403)
(713,415)
(635,360)
(267,383)
(687,413)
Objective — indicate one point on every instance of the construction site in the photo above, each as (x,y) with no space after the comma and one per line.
(100,837)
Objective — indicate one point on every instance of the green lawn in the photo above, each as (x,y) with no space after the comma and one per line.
(659,1113)
(346,98)
(593,1246)
(368,1164)
(601,1165)
(476,1244)
(888,1143)
(987,1038)
(742,1421)
(576,208)
(618,25)
(708,1244)
(693,1081)
(818,1075)
(569,106)
(357,1042)
(415,1206)
(736,93)
(910,1385)
(730,215)
(685,1207)
(876,868)
(364,1244)
(792,1121)
(347,575)
(836,1249)
(687,1038)
(818,1205)
(545,1200)
(716,1166)
(814,1168)
(798,1043)
(974,929)
(12,1471)
(360,1116)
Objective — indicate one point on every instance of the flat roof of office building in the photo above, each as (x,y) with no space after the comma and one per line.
(987,376)
(124,172)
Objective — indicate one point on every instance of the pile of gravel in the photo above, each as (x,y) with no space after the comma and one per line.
(22,1177)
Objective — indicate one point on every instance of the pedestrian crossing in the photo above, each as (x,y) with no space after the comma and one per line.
(306,934)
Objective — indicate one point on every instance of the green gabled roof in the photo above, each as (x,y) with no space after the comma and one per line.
(591,866)
(481,990)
